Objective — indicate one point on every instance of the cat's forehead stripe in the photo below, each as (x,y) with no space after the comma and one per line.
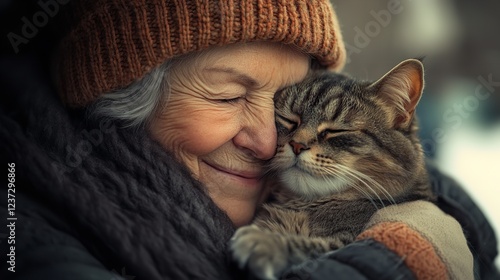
(316,93)
(325,92)
(333,109)
(330,98)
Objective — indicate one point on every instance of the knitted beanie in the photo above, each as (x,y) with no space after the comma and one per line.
(112,43)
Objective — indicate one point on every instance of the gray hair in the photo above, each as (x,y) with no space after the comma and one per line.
(136,104)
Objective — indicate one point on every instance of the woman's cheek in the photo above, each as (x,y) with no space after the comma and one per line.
(206,130)
(207,138)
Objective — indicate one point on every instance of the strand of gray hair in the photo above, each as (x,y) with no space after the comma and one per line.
(135,105)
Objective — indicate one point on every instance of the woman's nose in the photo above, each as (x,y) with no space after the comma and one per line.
(258,135)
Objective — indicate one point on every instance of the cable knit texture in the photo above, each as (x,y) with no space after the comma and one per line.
(417,252)
(429,223)
(112,43)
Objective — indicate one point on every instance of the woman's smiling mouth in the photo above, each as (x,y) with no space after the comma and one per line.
(248,175)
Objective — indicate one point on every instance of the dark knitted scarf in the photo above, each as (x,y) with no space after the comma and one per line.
(127,200)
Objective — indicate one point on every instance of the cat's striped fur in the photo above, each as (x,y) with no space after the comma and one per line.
(345,149)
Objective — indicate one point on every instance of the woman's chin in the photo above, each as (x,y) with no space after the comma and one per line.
(240,212)
(237,195)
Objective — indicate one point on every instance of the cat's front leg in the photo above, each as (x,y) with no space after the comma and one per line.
(264,253)
(267,254)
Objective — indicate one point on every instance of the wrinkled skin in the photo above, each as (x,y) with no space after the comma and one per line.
(219,119)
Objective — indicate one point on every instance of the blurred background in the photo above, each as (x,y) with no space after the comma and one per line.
(460,110)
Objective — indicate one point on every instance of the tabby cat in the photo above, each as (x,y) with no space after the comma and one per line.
(345,149)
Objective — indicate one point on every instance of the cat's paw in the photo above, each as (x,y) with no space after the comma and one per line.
(264,253)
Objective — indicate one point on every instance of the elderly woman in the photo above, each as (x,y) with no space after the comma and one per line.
(152,153)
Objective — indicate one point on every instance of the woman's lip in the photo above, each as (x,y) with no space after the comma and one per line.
(242,174)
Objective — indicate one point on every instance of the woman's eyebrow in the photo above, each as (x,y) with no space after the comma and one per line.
(236,75)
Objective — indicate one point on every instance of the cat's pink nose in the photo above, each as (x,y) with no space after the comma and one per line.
(298,147)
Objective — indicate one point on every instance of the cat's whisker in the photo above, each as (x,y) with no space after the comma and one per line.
(337,175)
(274,166)
(364,192)
(270,172)
(375,184)
(352,174)
(362,179)
(351,183)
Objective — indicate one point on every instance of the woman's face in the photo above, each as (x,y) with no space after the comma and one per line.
(219,119)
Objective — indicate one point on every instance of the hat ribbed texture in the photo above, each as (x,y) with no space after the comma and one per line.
(112,43)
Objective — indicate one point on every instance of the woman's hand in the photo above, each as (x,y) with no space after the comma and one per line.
(431,243)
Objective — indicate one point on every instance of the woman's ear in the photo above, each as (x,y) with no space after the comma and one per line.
(400,89)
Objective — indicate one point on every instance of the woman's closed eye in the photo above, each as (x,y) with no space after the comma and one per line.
(230,100)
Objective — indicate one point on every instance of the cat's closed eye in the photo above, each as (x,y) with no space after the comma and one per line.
(328,133)
(289,124)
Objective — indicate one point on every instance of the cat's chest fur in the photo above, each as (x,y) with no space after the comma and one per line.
(327,216)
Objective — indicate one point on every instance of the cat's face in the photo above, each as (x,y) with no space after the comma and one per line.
(336,133)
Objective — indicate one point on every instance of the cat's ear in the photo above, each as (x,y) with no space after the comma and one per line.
(401,89)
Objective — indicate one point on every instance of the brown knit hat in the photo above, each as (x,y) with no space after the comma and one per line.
(112,43)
